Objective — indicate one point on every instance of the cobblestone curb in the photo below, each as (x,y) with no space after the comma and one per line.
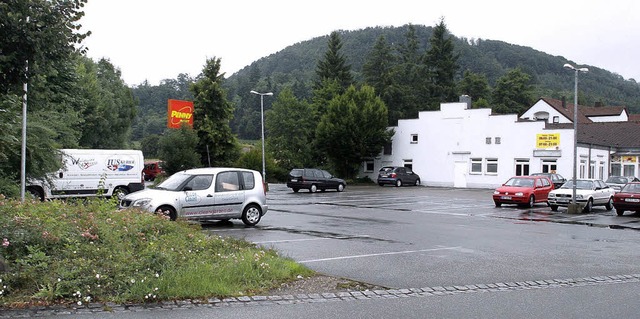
(245,301)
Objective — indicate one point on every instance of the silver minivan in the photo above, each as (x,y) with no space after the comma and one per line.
(205,194)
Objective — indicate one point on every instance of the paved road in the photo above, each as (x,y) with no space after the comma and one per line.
(446,253)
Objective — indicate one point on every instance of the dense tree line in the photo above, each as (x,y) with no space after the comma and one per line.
(71,101)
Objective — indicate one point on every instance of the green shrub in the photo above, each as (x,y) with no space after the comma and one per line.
(85,251)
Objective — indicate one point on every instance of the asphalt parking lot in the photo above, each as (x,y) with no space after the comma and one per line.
(464,201)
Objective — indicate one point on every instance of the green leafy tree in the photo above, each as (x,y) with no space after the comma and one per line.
(178,149)
(474,85)
(512,93)
(441,62)
(150,145)
(353,129)
(40,34)
(217,146)
(110,107)
(291,126)
(334,65)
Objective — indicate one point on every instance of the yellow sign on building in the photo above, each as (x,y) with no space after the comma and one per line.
(548,140)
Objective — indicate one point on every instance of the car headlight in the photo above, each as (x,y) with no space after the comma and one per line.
(552,195)
(578,196)
(141,202)
(519,194)
(496,192)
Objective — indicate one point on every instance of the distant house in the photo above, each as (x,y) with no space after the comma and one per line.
(458,146)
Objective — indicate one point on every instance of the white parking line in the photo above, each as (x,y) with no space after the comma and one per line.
(289,240)
(380,254)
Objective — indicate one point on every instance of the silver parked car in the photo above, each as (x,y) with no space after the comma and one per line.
(589,192)
(618,182)
(205,194)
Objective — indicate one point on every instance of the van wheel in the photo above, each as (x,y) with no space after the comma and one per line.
(417,182)
(251,215)
(167,211)
(313,188)
(36,193)
(340,187)
(120,192)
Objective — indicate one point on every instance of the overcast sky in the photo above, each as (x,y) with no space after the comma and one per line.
(158,39)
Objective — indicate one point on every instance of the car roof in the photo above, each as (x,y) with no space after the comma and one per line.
(213,170)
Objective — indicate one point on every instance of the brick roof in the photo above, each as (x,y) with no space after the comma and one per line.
(567,110)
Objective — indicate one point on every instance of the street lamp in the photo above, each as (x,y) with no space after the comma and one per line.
(573,208)
(264,173)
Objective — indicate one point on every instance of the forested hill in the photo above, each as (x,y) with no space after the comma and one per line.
(295,65)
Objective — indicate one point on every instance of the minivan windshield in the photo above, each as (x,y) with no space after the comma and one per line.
(174,182)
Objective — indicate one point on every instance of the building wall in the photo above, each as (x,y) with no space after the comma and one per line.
(542,107)
(450,140)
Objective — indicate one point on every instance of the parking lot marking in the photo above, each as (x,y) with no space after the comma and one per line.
(289,240)
(380,254)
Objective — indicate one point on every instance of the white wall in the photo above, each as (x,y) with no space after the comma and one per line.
(448,139)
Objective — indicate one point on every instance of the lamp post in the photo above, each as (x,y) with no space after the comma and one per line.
(264,172)
(573,208)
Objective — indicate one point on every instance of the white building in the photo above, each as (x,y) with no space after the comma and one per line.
(462,147)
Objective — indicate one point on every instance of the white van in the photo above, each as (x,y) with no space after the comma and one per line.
(91,172)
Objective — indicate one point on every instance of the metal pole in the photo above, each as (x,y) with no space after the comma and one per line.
(23,149)
(575,138)
(264,172)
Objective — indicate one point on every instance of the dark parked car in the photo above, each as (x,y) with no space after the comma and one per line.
(556,179)
(152,170)
(617,182)
(313,179)
(627,199)
(398,176)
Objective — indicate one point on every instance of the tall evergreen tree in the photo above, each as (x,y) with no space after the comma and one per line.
(334,65)
(474,85)
(442,64)
(512,93)
(217,146)
(379,72)
(409,75)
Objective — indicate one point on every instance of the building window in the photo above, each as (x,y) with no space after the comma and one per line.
(522,167)
(388,149)
(498,140)
(556,119)
(476,166)
(414,138)
(488,140)
(616,170)
(629,170)
(549,166)
(592,169)
(408,163)
(492,166)
(368,166)
(601,170)
(583,167)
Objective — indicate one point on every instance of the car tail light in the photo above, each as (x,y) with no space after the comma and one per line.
(393,175)
(264,187)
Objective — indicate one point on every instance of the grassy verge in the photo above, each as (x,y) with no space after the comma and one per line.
(86,251)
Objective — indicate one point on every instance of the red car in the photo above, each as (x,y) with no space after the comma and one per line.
(628,198)
(523,191)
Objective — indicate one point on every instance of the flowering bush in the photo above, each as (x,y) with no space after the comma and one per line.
(86,251)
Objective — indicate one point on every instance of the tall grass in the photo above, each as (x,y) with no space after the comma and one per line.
(87,251)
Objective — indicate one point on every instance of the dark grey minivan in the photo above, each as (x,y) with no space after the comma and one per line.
(313,179)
